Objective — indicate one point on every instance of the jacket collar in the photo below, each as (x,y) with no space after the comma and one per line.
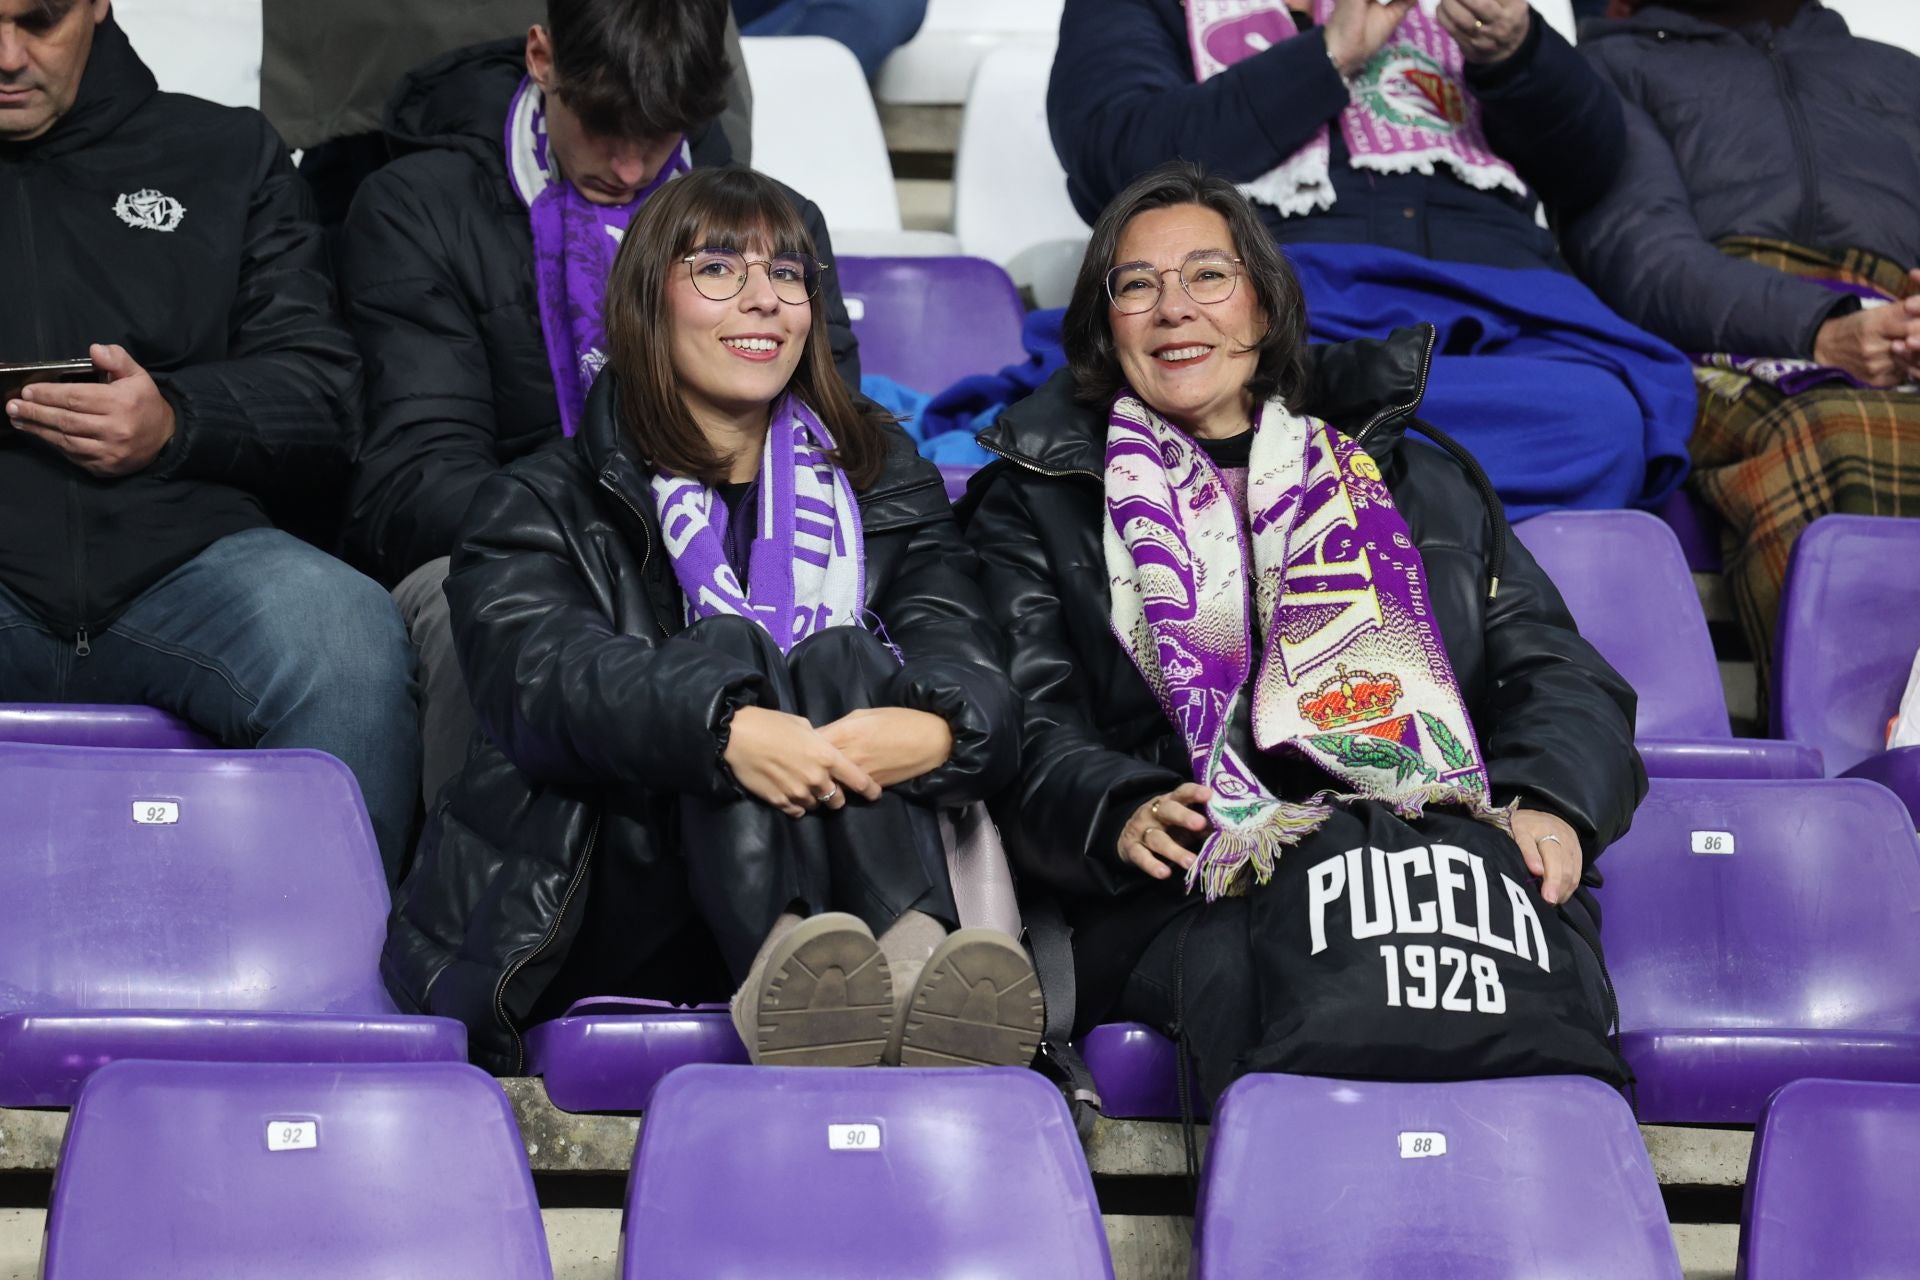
(1367,388)
(113,86)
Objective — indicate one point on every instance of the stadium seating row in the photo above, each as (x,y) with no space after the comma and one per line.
(174,1170)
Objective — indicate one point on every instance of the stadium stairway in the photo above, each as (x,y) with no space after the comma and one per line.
(580,1167)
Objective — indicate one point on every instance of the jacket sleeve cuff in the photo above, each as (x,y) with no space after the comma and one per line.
(1490,76)
(979,712)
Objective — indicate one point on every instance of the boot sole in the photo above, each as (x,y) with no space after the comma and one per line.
(796,1024)
(978,1004)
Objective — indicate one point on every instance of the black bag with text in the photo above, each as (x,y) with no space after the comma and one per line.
(1391,951)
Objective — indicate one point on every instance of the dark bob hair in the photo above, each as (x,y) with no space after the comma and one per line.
(1087,332)
(721,208)
(640,69)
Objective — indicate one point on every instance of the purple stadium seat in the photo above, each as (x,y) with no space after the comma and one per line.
(1830,1183)
(1626,583)
(1312,1178)
(188,1170)
(1697,527)
(1134,1068)
(1759,933)
(929,322)
(1849,629)
(82,724)
(222,905)
(955,478)
(607,1054)
(798,1171)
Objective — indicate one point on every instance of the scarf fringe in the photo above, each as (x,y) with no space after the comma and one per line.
(1255,845)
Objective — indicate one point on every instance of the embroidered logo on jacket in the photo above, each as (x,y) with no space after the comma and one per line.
(150,210)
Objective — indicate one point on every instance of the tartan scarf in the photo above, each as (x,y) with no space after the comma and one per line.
(1410,108)
(806,570)
(574,244)
(1351,672)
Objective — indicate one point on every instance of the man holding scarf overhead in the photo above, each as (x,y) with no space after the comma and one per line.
(1400,152)
(474,269)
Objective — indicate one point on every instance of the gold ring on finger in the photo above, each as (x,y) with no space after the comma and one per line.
(1153,810)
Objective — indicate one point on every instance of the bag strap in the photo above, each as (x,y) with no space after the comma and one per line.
(1050,940)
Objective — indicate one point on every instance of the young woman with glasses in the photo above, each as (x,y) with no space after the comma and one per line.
(729,661)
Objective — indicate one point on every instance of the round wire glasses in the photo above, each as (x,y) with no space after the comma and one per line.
(720,274)
(1208,275)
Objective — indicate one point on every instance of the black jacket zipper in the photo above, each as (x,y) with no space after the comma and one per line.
(77,531)
(1808,215)
(528,956)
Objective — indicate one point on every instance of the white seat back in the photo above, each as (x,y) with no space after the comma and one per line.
(1895,22)
(937,65)
(1010,200)
(815,129)
(1559,16)
(208,48)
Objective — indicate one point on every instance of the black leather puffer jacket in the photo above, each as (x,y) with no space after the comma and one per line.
(1554,720)
(548,870)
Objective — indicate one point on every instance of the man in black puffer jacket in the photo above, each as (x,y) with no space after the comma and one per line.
(439,271)
(169,241)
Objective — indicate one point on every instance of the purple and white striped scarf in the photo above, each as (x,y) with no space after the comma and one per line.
(1410,108)
(806,570)
(574,244)
(1352,672)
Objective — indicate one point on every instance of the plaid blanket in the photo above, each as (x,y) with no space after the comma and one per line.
(1771,462)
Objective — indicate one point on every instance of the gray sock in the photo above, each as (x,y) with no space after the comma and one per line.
(907,944)
(749,991)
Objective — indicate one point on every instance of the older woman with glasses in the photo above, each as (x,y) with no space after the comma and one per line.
(729,661)
(1291,687)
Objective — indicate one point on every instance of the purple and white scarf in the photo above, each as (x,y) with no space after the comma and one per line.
(806,570)
(574,244)
(1410,110)
(1352,672)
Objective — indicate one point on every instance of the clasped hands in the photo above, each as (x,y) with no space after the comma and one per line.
(1163,833)
(111,428)
(785,761)
(1488,31)
(1878,345)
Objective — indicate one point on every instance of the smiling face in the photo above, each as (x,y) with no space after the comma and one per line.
(1187,361)
(734,358)
(44,46)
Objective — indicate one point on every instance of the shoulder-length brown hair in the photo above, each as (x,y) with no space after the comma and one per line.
(1087,331)
(722,208)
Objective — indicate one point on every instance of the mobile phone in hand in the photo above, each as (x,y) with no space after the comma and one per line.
(16,377)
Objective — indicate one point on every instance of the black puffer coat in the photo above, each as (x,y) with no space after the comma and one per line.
(548,870)
(437,270)
(1554,720)
(1808,134)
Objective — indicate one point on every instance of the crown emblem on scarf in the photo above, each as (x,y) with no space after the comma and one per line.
(1348,697)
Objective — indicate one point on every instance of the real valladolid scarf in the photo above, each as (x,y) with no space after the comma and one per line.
(807,569)
(1410,108)
(574,245)
(1331,599)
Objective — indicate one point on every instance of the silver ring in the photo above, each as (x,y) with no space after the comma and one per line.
(1544,839)
(831,793)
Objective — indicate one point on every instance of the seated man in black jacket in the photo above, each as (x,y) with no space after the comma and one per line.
(169,241)
(473,270)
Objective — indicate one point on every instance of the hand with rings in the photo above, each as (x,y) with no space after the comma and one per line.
(1162,832)
(1551,850)
(784,761)
(1488,31)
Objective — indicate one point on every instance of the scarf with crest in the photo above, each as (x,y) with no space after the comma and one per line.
(1327,610)
(1410,109)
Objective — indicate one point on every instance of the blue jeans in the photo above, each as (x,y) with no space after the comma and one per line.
(261,641)
(871,28)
